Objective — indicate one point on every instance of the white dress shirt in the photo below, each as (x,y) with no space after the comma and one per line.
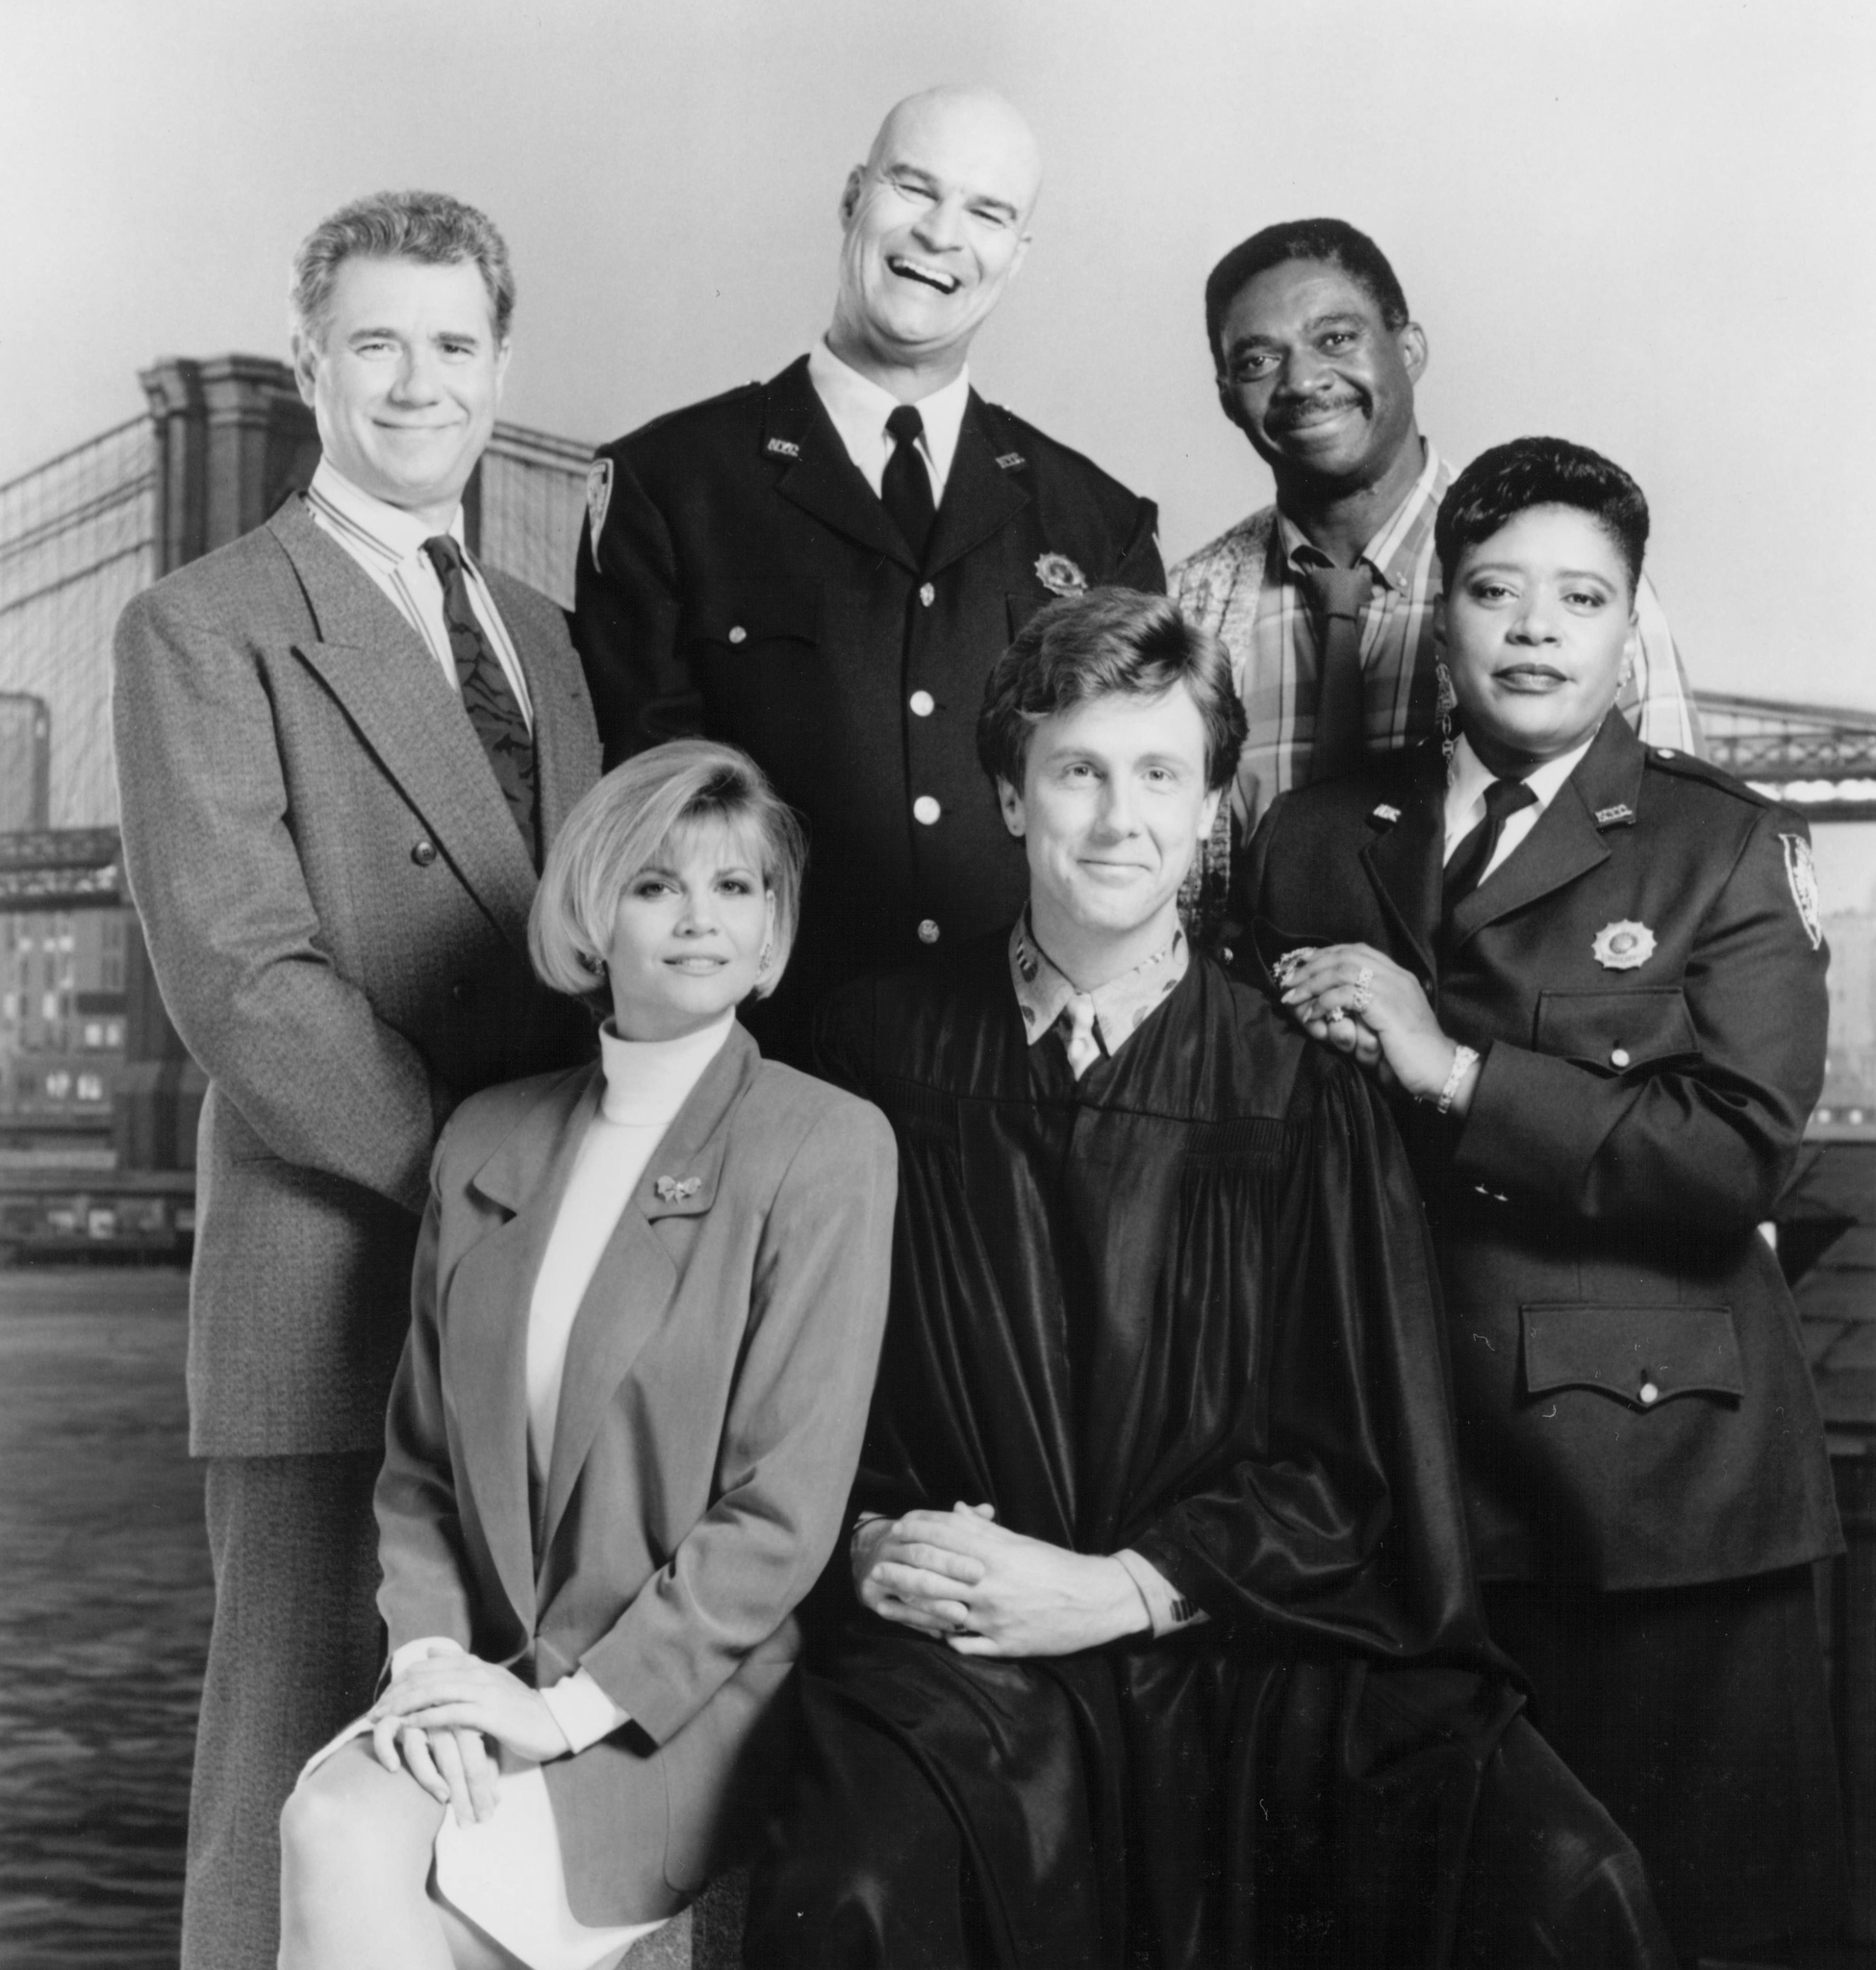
(388,543)
(859,409)
(1465,800)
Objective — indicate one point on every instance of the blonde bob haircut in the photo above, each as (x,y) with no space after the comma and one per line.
(637,816)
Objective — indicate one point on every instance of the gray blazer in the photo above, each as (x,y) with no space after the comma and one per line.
(716,1388)
(336,901)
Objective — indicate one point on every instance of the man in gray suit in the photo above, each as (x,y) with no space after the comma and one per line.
(343,748)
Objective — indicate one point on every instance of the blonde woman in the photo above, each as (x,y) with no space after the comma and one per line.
(646,1308)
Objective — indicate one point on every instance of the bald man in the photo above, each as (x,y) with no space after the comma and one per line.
(822,569)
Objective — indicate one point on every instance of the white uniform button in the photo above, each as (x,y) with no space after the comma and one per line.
(1618,1056)
(927,932)
(922,704)
(925,809)
(928,594)
(1649,1393)
(739,634)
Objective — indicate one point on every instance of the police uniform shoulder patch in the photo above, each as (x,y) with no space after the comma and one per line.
(598,496)
(1801,874)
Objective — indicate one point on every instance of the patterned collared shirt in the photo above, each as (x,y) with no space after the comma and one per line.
(388,543)
(1120,1006)
(1248,595)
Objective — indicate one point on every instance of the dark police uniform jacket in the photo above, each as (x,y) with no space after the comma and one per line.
(1644,976)
(746,583)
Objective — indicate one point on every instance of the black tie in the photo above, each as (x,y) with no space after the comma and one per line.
(1473,856)
(907,487)
(1339,596)
(486,695)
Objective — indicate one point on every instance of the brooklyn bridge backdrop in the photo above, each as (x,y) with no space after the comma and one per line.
(105,1619)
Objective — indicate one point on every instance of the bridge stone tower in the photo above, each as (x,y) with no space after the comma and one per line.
(233,439)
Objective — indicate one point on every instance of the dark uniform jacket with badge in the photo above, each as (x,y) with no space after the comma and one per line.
(746,583)
(1644,977)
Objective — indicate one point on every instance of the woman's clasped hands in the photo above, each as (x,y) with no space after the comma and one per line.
(438,1713)
(1358,1000)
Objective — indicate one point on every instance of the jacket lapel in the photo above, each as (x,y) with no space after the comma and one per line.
(488,1295)
(981,497)
(816,474)
(631,1288)
(1405,862)
(1567,840)
(396,694)
(566,743)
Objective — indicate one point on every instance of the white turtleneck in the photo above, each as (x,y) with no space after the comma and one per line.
(647,1082)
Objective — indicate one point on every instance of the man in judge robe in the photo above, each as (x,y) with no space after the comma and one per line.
(1157,1641)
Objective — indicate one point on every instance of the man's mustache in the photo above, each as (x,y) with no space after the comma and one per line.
(1306,410)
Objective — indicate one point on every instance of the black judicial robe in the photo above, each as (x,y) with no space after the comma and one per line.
(1184,1305)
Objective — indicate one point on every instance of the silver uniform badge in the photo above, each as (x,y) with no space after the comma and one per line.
(1386,813)
(1622,946)
(598,496)
(1059,575)
(1609,817)
(783,447)
(1801,872)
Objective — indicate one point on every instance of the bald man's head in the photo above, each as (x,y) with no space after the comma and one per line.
(935,225)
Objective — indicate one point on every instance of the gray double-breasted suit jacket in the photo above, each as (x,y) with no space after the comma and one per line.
(334,898)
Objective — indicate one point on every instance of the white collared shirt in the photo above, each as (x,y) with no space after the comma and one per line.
(388,543)
(1465,798)
(859,409)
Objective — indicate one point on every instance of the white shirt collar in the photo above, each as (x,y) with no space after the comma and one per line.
(859,409)
(1465,796)
(394,535)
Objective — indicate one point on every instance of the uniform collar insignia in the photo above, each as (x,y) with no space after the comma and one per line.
(783,447)
(1386,813)
(1011,461)
(1609,817)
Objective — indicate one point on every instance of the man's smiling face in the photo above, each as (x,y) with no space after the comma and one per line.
(933,225)
(1313,376)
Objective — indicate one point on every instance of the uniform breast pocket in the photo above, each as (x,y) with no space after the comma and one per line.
(1641,1355)
(1617,1031)
(743,618)
(1022,606)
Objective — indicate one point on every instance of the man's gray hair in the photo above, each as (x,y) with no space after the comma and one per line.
(427,226)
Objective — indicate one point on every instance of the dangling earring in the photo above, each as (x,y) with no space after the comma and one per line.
(1449,700)
(767,951)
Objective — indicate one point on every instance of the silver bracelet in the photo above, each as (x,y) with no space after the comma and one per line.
(1465,1058)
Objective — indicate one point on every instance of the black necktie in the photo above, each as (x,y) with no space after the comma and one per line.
(907,487)
(486,695)
(1466,869)
(1338,598)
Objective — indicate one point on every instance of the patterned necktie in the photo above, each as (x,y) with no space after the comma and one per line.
(907,487)
(486,695)
(1083,1048)
(1467,871)
(1338,598)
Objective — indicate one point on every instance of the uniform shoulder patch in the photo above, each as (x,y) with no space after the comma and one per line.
(1801,876)
(598,498)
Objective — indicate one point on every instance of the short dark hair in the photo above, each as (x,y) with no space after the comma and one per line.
(427,226)
(1334,240)
(1096,644)
(1509,479)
